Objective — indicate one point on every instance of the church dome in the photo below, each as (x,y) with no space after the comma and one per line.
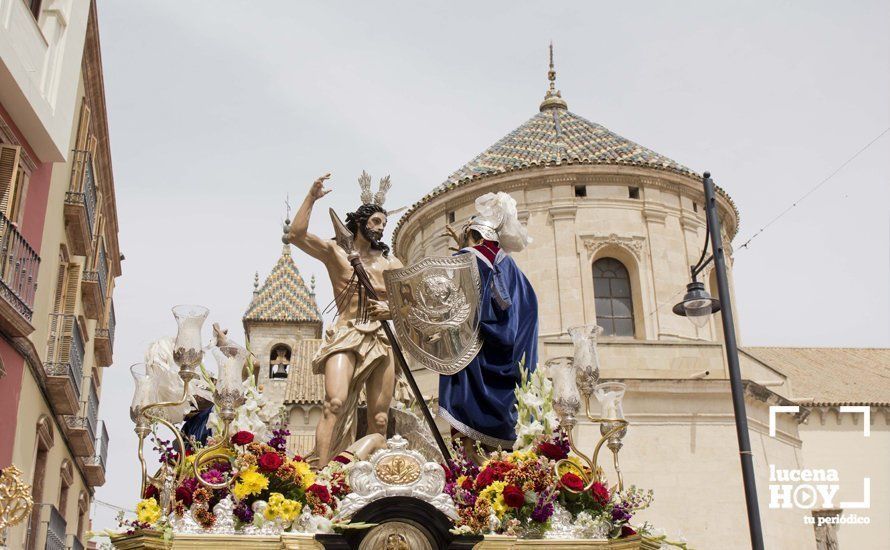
(557,137)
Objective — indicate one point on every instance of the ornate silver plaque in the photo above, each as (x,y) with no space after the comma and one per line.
(434,305)
(396,471)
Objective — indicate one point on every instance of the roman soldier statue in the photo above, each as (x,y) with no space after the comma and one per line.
(479,401)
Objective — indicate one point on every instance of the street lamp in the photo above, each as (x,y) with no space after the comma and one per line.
(697,305)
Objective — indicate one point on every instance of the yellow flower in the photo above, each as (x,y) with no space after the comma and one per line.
(460,481)
(280,507)
(250,482)
(148,511)
(307,476)
(494,494)
(521,456)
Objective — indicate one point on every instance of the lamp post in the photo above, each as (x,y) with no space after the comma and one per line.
(697,305)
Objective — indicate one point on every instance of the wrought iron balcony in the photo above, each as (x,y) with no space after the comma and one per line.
(94,466)
(103,341)
(80,203)
(81,429)
(64,363)
(55,527)
(18,280)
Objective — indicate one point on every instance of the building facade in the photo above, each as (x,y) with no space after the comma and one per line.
(60,260)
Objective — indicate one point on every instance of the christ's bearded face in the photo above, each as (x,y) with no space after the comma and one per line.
(373,229)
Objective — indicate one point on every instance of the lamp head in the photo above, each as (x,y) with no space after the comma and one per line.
(697,305)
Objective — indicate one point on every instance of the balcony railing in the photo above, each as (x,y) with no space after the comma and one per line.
(94,466)
(80,203)
(18,279)
(55,527)
(64,362)
(81,429)
(103,343)
(94,286)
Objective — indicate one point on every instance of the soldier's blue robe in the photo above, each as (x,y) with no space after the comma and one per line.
(479,401)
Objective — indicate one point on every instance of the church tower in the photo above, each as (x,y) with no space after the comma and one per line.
(282,327)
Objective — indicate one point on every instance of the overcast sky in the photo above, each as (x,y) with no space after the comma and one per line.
(218,110)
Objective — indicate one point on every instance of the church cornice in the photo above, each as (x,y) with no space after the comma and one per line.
(439,202)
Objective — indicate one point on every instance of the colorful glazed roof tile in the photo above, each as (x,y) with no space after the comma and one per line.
(283,296)
(557,136)
(304,387)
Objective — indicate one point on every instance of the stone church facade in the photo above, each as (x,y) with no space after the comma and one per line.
(615,227)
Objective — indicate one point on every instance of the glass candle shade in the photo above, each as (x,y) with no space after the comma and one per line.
(586,359)
(610,396)
(142,391)
(566,399)
(187,350)
(229,363)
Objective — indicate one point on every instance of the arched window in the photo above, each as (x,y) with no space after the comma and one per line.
(279,361)
(611,290)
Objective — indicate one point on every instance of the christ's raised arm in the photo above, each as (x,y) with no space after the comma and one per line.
(299,235)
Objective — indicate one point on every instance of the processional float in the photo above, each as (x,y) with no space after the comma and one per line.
(396,497)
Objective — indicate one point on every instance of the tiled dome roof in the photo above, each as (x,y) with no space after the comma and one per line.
(283,296)
(554,136)
(557,136)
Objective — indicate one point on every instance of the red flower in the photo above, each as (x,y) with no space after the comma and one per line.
(449,477)
(321,492)
(551,451)
(467,485)
(298,458)
(513,496)
(484,479)
(342,459)
(571,481)
(150,492)
(242,438)
(269,462)
(183,495)
(627,530)
(600,493)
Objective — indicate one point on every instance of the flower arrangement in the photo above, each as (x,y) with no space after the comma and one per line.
(268,486)
(517,492)
(509,492)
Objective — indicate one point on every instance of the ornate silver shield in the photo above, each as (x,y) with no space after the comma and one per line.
(434,305)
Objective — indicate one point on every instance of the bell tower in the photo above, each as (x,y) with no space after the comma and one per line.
(282,328)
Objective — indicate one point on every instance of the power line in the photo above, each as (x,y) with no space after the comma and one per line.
(746,244)
(112,506)
(814,189)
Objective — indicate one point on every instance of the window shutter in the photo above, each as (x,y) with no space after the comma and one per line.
(58,306)
(71,288)
(83,127)
(9,164)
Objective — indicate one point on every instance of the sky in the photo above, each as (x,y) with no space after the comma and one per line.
(219,111)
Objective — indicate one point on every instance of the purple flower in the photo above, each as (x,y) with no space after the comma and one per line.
(279,440)
(543,507)
(213,476)
(243,512)
(619,513)
(542,513)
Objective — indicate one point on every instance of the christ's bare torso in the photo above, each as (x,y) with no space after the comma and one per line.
(340,272)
